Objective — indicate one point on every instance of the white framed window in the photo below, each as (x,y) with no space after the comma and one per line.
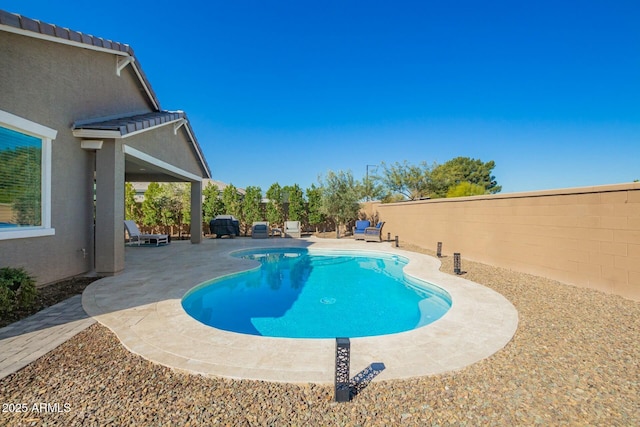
(25,178)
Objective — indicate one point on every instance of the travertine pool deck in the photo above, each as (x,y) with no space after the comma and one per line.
(142,306)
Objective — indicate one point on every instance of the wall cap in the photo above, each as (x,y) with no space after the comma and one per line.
(628,186)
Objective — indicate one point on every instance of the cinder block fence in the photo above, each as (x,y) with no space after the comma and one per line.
(588,237)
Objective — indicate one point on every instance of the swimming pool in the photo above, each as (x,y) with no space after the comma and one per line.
(298,293)
(143,306)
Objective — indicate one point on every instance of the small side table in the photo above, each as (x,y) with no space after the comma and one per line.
(276,230)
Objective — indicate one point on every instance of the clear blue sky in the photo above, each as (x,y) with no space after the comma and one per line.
(285,91)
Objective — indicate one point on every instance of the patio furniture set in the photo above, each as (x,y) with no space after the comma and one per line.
(364,231)
(261,230)
(227,225)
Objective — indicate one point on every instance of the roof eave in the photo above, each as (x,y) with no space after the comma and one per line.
(56,39)
(116,134)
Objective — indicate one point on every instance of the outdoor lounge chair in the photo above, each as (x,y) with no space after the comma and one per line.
(292,229)
(358,230)
(373,234)
(135,236)
(260,230)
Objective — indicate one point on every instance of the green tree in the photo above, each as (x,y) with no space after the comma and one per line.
(175,206)
(231,201)
(461,169)
(411,181)
(186,203)
(275,205)
(392,198)
(466,188)
(314,206)
(132,208)
(372,188)
(296,202)
(251,206)
(164,204)
(152,205)
(212,205)
(340,196)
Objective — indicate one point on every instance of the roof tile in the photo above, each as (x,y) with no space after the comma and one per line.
(62,33)
(75,36)
(29,24)
(86,38)
(9,19)
(47,29)
(97,41)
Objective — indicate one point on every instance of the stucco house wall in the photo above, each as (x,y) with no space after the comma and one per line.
(56,84)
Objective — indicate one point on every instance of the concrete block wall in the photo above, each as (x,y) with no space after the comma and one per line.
(588,237)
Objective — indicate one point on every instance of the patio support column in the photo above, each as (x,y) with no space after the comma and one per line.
(196,211)
(109,255)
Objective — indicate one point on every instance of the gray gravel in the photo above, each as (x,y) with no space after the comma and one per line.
(573,361)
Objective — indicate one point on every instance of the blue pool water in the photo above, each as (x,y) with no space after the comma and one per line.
(298,293)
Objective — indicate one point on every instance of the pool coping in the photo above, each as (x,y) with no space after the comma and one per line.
(142,306)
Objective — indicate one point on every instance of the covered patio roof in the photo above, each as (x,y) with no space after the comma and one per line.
(138,166)
(123,127)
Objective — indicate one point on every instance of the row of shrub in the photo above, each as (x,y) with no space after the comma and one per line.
(17,290)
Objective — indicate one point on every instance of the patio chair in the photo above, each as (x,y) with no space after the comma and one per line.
(373,234)
(358,230)
(260,230)
(292,229)
(135,236)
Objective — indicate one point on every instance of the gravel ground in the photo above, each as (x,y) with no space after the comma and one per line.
(573,361)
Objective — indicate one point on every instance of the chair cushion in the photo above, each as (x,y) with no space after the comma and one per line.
(361,225)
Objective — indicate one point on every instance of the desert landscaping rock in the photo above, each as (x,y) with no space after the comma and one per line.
(574,360)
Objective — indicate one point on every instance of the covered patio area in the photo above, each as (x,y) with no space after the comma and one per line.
(156,146)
